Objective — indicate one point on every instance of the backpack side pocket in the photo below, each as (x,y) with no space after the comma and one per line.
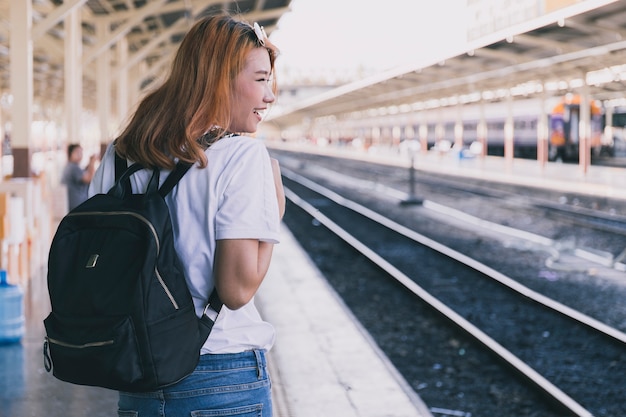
(93,351)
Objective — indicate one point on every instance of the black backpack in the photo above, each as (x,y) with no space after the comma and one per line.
(122,314)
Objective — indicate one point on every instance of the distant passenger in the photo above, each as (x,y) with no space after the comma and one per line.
(76,178)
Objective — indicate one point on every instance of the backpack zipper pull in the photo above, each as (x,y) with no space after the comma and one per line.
(47,362)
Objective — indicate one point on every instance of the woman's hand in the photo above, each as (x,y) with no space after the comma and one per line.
(280,191)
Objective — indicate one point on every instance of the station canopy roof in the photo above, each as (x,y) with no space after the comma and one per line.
(152,28)
(555,53)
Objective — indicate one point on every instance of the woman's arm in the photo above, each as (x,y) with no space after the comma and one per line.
(240,266)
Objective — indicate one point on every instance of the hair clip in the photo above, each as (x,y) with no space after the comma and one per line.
(260,33)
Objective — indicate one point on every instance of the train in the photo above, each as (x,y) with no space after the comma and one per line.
(564,122)
(440,127)
(561,121)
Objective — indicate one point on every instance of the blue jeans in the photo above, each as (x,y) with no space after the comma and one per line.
(236,384)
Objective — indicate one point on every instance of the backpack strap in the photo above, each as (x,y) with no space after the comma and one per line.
(172,179)
(120,166)
(206,322)
(123,173)
(214,301)
(122,185)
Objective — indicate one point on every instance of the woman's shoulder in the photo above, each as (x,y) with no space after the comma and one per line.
(238,144)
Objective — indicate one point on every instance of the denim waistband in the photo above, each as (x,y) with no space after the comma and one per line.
(211,363)
(224,361)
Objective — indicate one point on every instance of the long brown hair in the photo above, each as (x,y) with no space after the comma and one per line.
(195,98)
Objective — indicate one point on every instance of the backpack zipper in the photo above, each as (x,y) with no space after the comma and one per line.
(156,239)
(83,346)
(47,360)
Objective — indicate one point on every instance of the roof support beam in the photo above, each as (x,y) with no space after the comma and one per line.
(559,47)
(55,17)
(73,76)
(165,9)
(103,87)
(122,80)
(121,31)
(21,53)
(509,57)
(151,46)
(266,15)
(616,29)
(156,69)
(591,29)
(584,129)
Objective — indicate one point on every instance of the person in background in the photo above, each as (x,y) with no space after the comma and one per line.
(225,211)
(75,178)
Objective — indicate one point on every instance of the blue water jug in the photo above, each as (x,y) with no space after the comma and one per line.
(11,311)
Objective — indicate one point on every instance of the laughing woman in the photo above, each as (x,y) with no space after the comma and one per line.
(225,211)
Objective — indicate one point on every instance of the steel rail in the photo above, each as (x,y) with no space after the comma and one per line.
(464,259)
(605,259)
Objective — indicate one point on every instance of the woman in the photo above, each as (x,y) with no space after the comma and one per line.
(226,210)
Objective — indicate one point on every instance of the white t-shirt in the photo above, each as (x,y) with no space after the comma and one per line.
(234,197)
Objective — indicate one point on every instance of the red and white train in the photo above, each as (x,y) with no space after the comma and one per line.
(559,122)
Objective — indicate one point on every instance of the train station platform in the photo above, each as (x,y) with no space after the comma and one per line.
(323,363)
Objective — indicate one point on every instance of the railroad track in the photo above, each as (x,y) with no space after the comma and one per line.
(563,224)
(557,351)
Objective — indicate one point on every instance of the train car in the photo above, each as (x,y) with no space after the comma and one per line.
(525,115)
(562,122)
(565,130)
(441,127)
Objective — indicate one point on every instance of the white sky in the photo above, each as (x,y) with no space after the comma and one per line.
(374,35)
